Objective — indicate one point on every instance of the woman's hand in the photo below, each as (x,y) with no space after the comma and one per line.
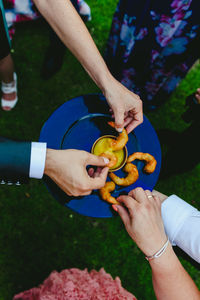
(141,214)
(63,18)
(125,105)
(67,168)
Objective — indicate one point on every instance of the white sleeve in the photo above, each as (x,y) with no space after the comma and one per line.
(37,161)
(182,225)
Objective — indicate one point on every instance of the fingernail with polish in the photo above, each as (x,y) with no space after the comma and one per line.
(119,129)
(106,160)
(114,207)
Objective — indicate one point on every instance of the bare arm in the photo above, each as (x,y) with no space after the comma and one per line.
(170,280)
(66,22)
(64,19)
(143,223)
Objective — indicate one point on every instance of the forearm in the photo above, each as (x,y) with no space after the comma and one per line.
(66,22)
(170,280)
(144,224)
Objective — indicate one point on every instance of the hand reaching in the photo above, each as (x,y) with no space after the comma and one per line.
(67,168)
(125,105)
(141,215)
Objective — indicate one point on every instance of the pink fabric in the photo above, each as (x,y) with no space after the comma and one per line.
(17,11)
(74,284)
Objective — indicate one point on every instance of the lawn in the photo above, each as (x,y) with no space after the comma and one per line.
(37,234)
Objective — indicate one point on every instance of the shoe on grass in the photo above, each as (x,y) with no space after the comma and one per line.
(9,94)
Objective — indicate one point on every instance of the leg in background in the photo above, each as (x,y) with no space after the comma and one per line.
(9,83)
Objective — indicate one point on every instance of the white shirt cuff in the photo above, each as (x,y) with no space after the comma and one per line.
(174,213)
(37,162)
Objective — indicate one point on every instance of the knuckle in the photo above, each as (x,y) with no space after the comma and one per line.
(84,154)
(131,194)
(75,194)
(148,206)
(157,201)
(127,200)
(138,190)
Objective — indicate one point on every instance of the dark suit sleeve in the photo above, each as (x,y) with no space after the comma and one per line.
(14,160)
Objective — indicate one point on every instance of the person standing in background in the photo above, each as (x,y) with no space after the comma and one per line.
(126,106)
(8,76)
(152,45)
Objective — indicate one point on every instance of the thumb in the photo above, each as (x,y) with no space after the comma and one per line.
(103,175)
(99,182)
(95,160)
(119,119)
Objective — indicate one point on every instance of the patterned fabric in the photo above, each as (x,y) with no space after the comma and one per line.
(19,11)
(75,284)
(24,10)
(153,44)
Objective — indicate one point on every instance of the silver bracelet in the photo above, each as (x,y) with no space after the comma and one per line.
(159,252)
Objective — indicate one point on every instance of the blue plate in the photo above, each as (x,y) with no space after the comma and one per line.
(77,124)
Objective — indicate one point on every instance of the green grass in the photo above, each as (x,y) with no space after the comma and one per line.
(37,235)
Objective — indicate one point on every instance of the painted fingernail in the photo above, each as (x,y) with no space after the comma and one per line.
(114,207)
(119,129)
(106,160)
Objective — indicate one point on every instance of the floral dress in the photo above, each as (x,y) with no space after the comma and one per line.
(153,44)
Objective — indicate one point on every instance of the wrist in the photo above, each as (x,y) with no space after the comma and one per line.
(106,80)
(154,244)
(49,162)
(158,253)
(164,262)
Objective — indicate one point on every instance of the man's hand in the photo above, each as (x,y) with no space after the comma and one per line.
(125,105)
(67,168)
